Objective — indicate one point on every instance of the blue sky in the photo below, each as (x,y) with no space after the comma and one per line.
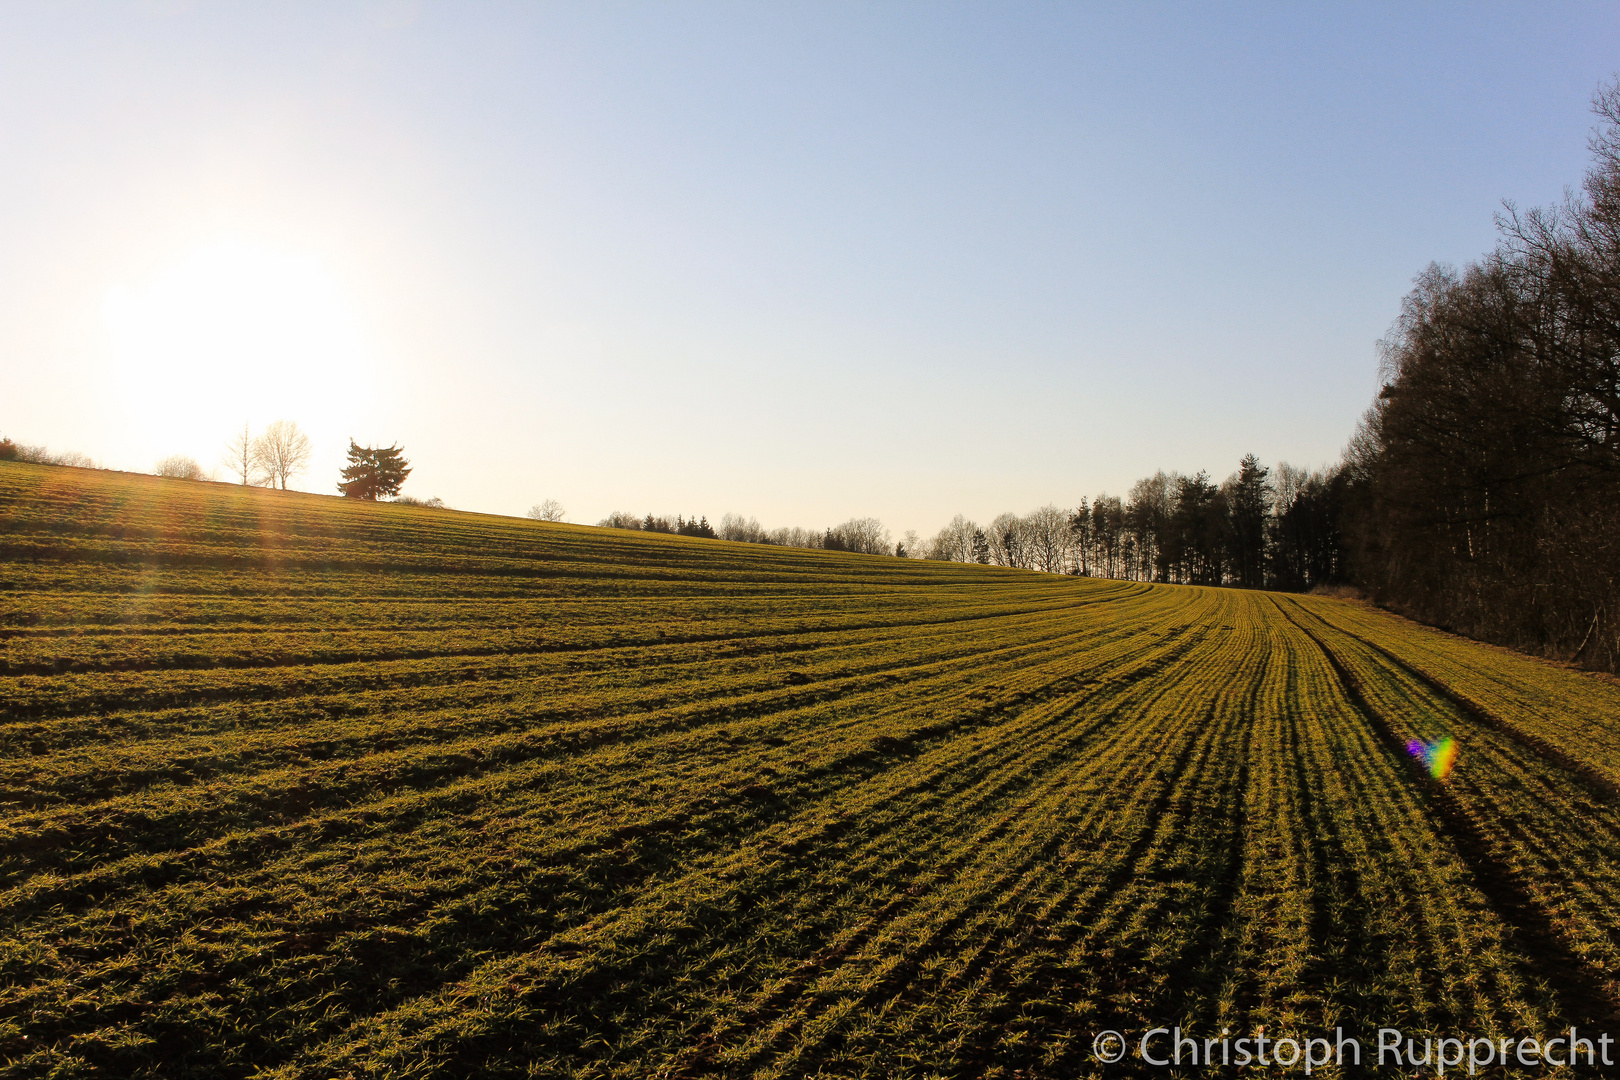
(799,261)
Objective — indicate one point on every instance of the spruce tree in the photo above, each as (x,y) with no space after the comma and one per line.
(373,472)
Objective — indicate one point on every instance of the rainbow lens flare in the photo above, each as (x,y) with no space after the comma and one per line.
(1437,757)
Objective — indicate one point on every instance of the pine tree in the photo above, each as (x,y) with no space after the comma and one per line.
(373,472)
(1250,506)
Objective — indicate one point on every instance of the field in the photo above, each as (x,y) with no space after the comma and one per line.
(299,788)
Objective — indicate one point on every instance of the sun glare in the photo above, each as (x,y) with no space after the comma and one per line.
(236,332)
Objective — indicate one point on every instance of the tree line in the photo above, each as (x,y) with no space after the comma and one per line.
(39,455)
(1259,528)
(1483,487)
(864,536)
(1254,530)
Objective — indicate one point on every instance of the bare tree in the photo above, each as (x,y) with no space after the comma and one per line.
(180,467)
(794,536)
(550,510)
(737,527)
(282,452)
(1049,538)
(955,542)
(1148,516)
(866,536)
(242,456)
(1009,544)
(39,455)
(1290,480)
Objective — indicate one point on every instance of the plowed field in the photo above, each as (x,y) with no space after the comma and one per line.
(291,787)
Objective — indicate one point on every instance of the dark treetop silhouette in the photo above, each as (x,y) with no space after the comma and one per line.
(373,472)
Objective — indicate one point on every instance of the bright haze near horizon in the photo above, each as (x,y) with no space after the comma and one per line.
(802,262)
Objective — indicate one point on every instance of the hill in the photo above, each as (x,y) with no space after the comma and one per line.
(291,786)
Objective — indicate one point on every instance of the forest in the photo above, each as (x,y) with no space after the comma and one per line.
(1483,488)
(1260,528)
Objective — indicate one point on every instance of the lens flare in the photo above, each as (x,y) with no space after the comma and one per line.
(1437,757)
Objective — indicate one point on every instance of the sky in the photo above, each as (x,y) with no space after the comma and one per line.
(797,261)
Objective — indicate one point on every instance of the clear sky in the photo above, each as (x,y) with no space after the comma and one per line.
(802,261)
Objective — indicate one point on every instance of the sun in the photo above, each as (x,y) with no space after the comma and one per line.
(237,332)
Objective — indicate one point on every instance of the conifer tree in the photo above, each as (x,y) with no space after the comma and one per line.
(373,472)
